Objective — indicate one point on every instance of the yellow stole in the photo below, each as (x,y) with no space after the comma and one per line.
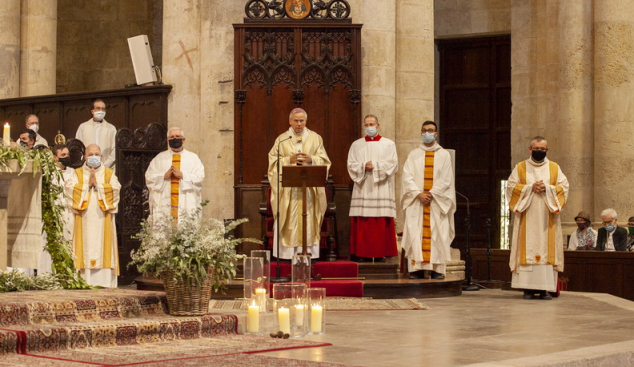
(175,186)
(107,228)
(427,185)
(517,190)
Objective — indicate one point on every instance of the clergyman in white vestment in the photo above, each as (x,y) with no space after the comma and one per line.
(537,191)
(372,165)
(297,146)
(174,178)
(93,192)
(429,203)
(98,131)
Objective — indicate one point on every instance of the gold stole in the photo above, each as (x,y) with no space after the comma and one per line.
(175,186)
(427,185)
(553,169)
(107,228)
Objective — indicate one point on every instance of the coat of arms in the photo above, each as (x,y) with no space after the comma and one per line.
(298,9)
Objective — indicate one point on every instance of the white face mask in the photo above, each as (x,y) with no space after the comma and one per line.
(370,131)
(428,138)
(99,115)
(93,161)
(35,127)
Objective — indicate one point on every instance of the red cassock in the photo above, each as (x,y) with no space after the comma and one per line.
(372,237)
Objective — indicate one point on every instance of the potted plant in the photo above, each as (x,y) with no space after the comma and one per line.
(191,257)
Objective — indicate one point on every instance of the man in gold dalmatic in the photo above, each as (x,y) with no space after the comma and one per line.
(297,146)
(537,191)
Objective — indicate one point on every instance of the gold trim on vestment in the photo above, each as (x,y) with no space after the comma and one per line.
(427,186)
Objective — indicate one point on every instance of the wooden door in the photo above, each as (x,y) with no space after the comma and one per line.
(475,120)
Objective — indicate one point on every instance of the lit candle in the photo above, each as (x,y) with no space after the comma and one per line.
(253,319)
(260,298)
(284,320)
(299,315)
(6,137)
(316,315)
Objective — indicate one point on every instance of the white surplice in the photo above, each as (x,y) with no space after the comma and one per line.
(443,207)
(190,186)
(291,198)
(374,193)
(92,207)
(537,250)
(101,133)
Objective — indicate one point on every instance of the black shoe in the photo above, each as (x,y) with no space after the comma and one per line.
(545,295)
(313,261)
(420,274)
(435,275)
(379,259)
(529,294)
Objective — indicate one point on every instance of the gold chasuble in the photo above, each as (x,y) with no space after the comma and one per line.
(175,186)
(427,186)
(537,237)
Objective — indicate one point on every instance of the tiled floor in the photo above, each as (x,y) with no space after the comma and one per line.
(488,327)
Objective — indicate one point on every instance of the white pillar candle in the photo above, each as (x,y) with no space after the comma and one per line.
(260,298)
(253,319)
(6,136)
(299,315)
(316,315)
(283,317)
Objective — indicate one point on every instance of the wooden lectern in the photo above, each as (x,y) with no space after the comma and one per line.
(304,176)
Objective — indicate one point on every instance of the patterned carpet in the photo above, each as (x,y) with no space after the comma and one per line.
(341,304)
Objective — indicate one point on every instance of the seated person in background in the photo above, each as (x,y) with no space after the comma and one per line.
(584,237)
(611,237)
(27,139)
(630,237)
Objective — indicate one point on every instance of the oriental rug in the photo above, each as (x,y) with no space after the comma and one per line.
(340,304)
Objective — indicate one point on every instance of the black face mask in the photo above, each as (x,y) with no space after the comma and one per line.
(175,143)
(538,155)
(65,161)
(24,144)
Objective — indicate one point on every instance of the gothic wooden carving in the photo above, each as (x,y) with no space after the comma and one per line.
(297,9)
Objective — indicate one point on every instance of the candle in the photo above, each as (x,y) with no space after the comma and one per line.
(260,298)
(6,136)
(299,315)
(253,319)
(316,316)
(284,320)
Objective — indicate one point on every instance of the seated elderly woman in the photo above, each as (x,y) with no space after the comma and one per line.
(611,237)
(584,237)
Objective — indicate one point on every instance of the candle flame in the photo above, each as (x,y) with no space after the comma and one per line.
(6,124)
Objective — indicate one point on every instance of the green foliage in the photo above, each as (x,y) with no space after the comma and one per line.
(189,248)
(52,222)
(17,281)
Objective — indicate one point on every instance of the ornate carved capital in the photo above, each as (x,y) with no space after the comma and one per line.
(298,96)
(355,96)
(241,96)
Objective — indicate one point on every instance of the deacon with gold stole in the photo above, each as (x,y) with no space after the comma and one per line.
(537,190)
(429,203)
(297,146)
(93,194)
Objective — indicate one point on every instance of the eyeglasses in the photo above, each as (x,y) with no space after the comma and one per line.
(608,222)
(431,131)
(539,149)
(174,137)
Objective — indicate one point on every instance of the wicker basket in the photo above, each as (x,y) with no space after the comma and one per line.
(185,297)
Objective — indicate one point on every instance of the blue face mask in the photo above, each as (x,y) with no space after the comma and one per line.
(609,227)
(93,161)
(370,131)
(428,138)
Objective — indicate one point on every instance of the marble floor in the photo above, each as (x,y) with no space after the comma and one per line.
(488,328)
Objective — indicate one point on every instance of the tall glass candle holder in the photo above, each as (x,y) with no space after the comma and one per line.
(290,308)
(253,269)
(301,269)
(266,270)
(316,298)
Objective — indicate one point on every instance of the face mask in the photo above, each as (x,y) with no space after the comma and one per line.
(538,155)
(24,144)
(93,161)
(99,115)
(428,138)
(609,227)
(35,127)
(370,131)
(631,230)
(175,143)
(581,226)
(64,161)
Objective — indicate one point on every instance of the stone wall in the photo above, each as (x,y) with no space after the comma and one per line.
(459,18)
(92,46)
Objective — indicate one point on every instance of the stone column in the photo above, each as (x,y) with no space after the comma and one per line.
(38,61)
(613,106)
(10,49)
(415,83)
(575,112)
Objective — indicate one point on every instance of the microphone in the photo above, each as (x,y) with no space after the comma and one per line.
(278,278)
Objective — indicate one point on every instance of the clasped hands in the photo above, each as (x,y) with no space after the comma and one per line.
(92,181)
(425,198)
(301,158)
(173,172)
(539,187)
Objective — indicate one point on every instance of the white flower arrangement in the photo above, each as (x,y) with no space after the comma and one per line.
(189,248)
